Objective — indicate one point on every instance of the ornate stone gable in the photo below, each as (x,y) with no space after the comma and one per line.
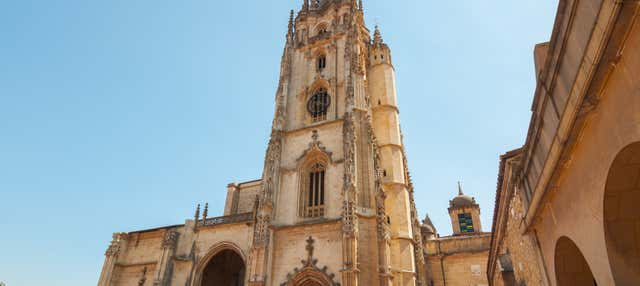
(310,271)
(315,147)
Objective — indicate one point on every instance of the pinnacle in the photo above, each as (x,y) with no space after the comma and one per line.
(291,22)
(427,220)
(377,37)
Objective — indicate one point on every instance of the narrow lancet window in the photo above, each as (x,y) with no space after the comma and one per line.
(322,62)
(312,192)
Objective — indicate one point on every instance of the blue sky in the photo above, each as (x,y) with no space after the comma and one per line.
(122,115)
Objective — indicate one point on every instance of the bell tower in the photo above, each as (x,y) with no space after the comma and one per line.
(335,171)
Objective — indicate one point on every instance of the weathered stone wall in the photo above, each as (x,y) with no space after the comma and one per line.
(289,248)
(296,143)
(247,198)
(132,274)
(368,251)
(585,112)
(461,269)
(457,244)
(575,209)
(458,260)
(147,255)
(521,247)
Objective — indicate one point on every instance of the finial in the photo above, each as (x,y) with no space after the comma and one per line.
(197,215)
(310,247)
(427,220)
(305,5)
(361,7)
(460,193)
(206,211)
(377,37)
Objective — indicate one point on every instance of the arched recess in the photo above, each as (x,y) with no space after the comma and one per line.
(570,265)
(224,265)
(621,215)
(312,183)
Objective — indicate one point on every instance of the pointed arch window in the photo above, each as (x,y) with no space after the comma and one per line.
(312,198)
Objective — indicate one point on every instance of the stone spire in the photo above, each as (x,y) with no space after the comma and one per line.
(460,193)
(427,221)
(196,217)
(377,37)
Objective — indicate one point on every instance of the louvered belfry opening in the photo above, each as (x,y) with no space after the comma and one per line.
(312,199)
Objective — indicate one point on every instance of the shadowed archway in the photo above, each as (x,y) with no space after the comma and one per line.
(571,267)
(621,216)
(312,283)
(226,268)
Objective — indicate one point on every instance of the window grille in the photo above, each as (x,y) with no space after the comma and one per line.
(322,62)
(313,185)
(318,105)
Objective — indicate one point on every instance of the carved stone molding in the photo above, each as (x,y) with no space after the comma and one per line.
(170,240)
(315,147)
(310,271)
(143,277)
(115,245)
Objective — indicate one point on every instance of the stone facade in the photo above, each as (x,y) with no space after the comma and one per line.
(334,205)
(461,258)
(514,256)
(566,203)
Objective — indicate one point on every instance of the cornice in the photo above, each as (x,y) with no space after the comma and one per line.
(313,126)
(310,222)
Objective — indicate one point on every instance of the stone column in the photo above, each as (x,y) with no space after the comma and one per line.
(165,264)
(118,244)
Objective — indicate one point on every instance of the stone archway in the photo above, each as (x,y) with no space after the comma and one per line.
(224,265)
(621,215)
(226,268)
(570,265)
(311,283)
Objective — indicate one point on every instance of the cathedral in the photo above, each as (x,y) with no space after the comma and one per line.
(335,203)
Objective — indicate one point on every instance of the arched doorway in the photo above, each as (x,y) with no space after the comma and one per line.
(571,267)
(311,284)
(621,216)
(226,268)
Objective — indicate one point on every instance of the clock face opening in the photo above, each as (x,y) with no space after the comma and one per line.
(318,105)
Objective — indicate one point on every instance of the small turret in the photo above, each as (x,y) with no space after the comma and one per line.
(464,213)
(427,229)
(380,52)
